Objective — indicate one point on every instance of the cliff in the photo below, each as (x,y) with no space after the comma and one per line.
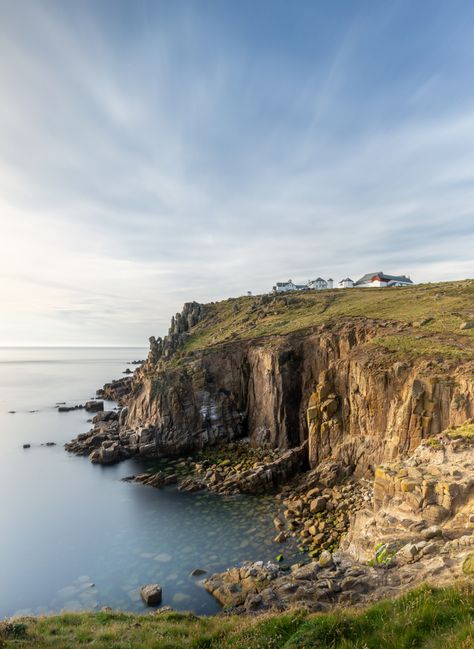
(356,405)
(364,375)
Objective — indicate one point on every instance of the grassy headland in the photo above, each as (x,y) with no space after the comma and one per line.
(433,314)
(425,618)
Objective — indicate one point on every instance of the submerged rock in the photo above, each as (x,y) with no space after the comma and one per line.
(69,408)
(163,609)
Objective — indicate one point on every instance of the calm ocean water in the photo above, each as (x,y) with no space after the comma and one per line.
(73,536)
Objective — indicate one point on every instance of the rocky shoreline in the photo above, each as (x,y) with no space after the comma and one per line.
(346,435)
(418,527)
(361,539)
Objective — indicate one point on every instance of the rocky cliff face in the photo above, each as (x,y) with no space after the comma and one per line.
(431,490)
(351,399)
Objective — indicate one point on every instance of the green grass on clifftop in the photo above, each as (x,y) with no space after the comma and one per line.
(434,311)
(426,618)
(466,431)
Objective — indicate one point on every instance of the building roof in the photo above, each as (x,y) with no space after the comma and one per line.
(387,278)
(319,279)
(346,279)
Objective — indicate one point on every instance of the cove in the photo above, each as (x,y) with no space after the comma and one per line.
(73,535)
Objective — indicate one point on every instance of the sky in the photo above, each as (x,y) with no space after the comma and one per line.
(153,153)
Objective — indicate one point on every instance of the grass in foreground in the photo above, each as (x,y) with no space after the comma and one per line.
(425,618)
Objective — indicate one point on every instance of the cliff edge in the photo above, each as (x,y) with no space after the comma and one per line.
(363,375)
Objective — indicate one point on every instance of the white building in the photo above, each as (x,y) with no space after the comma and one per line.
(317,284)
(380,280)
(345,283)
(281,287)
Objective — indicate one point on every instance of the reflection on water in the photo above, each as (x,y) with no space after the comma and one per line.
(73,535)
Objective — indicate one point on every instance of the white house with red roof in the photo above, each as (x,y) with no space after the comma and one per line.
(381,280)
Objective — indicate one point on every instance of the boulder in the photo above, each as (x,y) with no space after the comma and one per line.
(108,453)
(431,532)
(318,505)
(151,594)
(94,406)
(306,572)
(325,560)
(407,553)
(105,415)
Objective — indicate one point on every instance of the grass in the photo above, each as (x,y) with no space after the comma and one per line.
(466,431)
(425,618)
(435,311)
(412,346)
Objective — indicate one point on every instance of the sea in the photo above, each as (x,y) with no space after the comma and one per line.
(73,535)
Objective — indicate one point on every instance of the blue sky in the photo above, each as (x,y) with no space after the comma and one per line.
(157,152)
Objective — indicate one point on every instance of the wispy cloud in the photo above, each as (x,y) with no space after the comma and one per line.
(151,153)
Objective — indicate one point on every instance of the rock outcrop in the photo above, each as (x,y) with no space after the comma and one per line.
(392,544)
(386,411)
(433,489)
(117,390)
(266,477)
(105,443)
(316,586)
(228,477)
(181,323)
(351,399)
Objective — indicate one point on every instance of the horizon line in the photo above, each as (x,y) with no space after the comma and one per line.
(74,346)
